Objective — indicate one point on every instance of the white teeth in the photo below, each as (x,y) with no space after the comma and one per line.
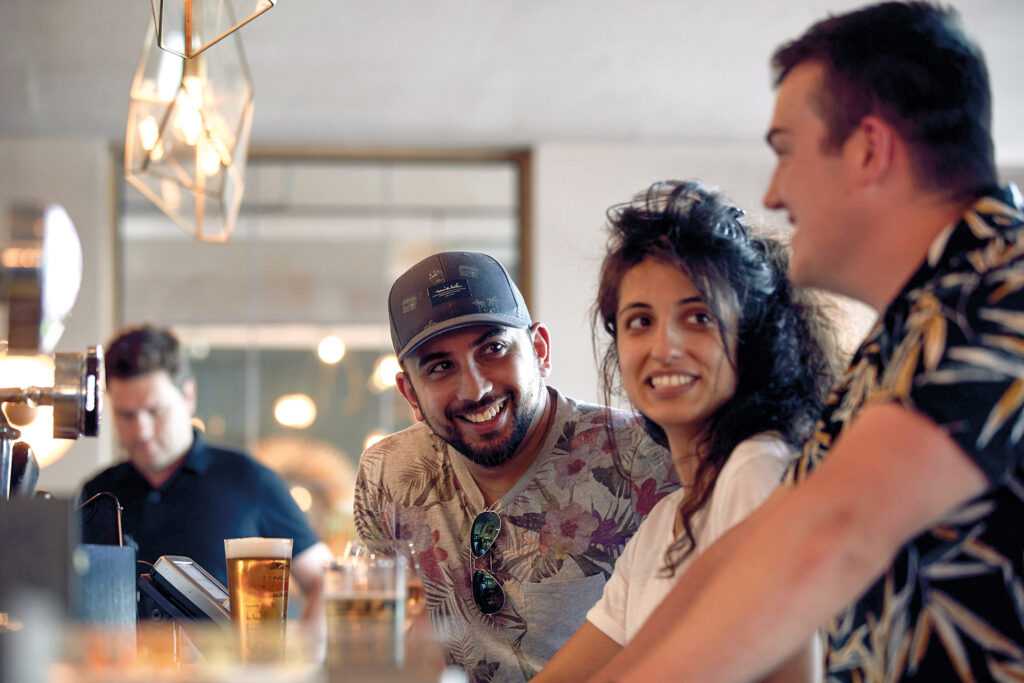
(671,380)
(487,413)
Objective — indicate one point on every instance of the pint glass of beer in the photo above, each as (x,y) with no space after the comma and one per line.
(258,585)
(364,597)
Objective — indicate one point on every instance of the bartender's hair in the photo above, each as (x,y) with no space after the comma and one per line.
(137,351)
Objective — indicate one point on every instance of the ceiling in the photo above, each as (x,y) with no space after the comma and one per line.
(460,73)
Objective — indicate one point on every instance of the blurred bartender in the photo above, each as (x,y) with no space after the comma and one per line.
(182,495)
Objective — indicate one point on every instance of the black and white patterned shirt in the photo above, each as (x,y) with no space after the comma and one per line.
(951,347)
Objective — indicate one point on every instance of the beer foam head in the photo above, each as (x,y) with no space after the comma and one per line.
(273,548)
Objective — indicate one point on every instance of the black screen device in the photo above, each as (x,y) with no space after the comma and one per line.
(180,589)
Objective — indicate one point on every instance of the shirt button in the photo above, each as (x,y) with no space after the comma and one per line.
(153,497)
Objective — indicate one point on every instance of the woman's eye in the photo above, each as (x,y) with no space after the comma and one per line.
(701,318)
(638,322)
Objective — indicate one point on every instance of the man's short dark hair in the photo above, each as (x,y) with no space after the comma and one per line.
(911,64)
(138,351)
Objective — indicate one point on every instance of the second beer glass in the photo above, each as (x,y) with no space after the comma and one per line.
(365,605)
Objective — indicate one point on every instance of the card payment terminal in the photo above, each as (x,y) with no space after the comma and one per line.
(180,589)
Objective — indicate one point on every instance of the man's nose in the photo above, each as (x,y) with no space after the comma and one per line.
(473,384)
(771,199)
(142,427)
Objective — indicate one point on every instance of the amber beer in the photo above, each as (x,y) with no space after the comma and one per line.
(365,603)
(258,571)
(415,598)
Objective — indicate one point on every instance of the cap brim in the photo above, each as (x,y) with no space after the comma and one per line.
(460,322)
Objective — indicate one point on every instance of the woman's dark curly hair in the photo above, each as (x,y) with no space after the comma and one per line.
(785,356)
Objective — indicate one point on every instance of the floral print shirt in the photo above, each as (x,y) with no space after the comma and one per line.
(563,526)
(951,347)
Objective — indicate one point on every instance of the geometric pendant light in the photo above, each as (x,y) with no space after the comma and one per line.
(187,137)
(187,27)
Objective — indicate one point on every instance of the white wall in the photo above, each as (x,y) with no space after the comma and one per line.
(573,186)
(77,174)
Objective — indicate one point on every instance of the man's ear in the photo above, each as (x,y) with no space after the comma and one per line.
(873,146)
(541,341)
(404,385)
(188,392)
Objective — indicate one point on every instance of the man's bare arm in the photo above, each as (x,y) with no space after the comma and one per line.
(808,552)
(308,572)
(582,655)
(675,604)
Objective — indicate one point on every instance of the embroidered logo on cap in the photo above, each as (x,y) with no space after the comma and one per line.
(448,291)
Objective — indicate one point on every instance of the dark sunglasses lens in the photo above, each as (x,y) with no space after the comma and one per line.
(484,532)
(487,592)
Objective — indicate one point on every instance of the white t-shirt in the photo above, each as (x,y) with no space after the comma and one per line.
(636,587)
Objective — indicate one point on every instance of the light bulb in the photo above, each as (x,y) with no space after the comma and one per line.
(209,160)
(331,350)
(148,133)
(187,121)
(295,410)
(384,371)
(194,89)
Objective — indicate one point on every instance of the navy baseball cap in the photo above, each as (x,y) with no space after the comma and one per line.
(450,290)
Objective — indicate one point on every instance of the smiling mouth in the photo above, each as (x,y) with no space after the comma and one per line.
(670,381)
(486,414)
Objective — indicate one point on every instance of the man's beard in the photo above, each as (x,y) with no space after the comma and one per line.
(496,454)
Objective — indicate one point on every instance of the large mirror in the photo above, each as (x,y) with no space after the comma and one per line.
(286,324)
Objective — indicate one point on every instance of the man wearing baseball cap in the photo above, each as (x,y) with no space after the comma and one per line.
(512,500)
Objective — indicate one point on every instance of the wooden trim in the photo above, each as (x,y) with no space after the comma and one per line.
(525,207)
(116,199)
(406,154)
(522,157)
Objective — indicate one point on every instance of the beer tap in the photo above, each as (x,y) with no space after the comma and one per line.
(76,399)
(40,274)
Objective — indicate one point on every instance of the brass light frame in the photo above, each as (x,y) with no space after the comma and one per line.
(187,136)
(203,23)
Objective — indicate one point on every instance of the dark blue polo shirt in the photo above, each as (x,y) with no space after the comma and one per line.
(216,494)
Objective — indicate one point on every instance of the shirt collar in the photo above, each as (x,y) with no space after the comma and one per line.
(990,218)
(197,459)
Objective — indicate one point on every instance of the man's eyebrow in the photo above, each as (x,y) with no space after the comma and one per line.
(440,355)
(430,358)
(493,332)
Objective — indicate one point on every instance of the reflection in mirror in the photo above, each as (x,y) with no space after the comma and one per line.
(293,307)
